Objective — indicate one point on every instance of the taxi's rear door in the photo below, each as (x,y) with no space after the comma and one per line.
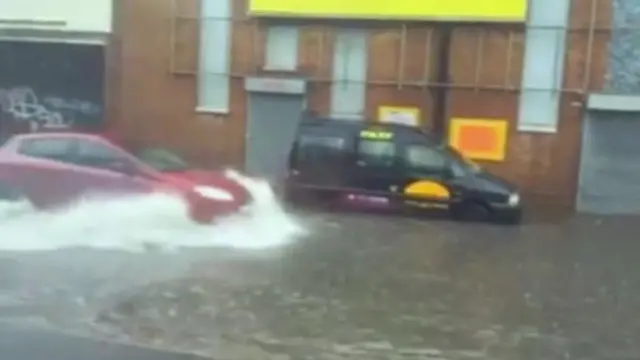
(377,167)
(319,159)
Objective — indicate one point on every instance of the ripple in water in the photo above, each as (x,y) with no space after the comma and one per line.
(159,220)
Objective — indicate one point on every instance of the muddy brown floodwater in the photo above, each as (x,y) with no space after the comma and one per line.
(360,287)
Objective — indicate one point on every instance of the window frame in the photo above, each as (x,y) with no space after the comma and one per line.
(282,45)
(214,57)
(543,66)
(349,74)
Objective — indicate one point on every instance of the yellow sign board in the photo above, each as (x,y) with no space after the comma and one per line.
(399,115)
(436,10)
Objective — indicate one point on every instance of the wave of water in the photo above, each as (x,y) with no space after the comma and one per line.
(139,222)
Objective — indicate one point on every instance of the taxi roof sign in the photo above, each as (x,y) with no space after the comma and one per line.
(373,134)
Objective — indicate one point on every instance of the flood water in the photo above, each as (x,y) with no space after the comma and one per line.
(354,287)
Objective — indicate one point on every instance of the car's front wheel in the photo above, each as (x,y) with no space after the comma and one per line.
(13,202)
(472,211)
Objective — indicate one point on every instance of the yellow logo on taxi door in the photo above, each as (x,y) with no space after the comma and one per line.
(427,189)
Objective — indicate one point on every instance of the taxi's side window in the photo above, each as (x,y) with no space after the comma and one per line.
(376,153)
(425,160)
(319,149)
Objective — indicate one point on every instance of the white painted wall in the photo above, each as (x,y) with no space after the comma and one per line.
(57,15)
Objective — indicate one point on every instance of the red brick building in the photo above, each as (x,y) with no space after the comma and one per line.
(164,57)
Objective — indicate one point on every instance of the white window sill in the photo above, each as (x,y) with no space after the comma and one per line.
(279,68)
(537,129)
(354,117)
(214,111)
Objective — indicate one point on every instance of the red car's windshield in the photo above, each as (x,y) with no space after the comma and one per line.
(162,159)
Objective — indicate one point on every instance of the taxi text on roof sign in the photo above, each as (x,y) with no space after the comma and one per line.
(434,10)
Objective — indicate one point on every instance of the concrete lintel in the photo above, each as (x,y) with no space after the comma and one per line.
(35,35)
(276,85)
(613,102)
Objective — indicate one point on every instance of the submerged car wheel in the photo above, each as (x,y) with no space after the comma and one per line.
(472,211)
(11,194)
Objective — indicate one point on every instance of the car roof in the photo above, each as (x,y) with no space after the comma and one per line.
(14,141)
(351,125)
(53,135)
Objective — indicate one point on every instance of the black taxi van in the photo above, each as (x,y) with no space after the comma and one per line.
(372,166)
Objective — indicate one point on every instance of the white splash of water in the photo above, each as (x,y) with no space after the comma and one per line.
(136,223)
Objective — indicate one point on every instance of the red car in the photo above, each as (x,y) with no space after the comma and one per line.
(50,170)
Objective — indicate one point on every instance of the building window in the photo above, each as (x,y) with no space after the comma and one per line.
(348,90)
(214,56)
(545,47)
(282,48)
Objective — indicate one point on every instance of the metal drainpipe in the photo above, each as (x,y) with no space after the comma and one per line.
(440,93)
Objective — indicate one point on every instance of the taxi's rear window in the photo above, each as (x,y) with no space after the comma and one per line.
(315,149)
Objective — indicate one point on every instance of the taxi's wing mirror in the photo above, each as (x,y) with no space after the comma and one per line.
(449,173)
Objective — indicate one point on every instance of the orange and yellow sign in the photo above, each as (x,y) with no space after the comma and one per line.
(479,139)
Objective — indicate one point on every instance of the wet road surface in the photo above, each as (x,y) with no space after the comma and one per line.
(25,343)
(361,287)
